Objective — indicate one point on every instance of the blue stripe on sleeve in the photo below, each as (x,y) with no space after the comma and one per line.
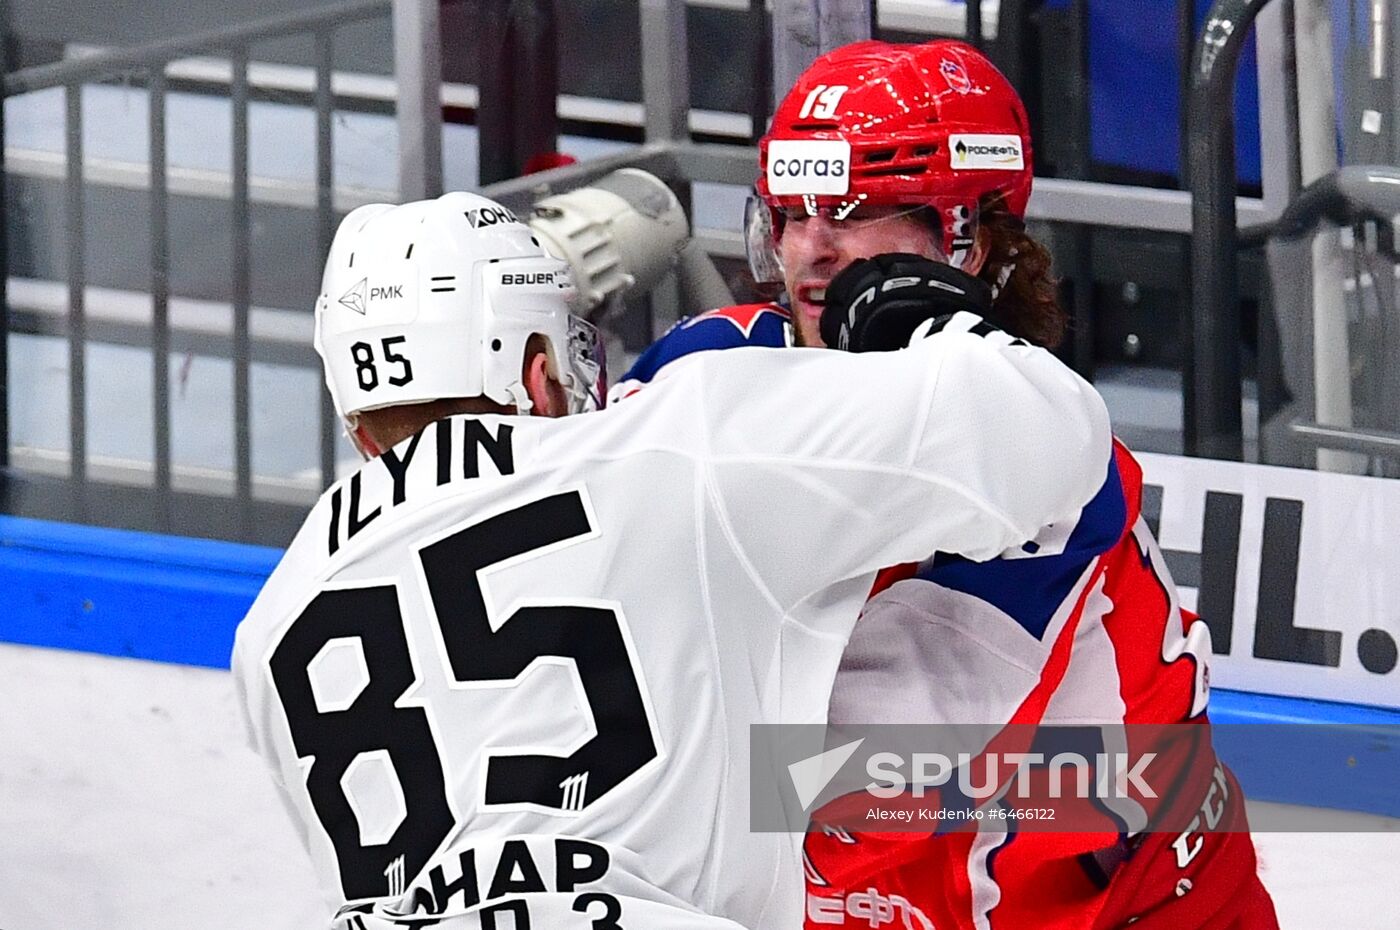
(1031,589)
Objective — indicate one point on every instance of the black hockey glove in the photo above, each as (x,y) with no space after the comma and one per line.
(875,304)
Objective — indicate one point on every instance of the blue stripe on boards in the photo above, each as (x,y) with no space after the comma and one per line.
(124,593)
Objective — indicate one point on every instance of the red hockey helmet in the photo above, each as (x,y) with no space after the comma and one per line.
(874,123)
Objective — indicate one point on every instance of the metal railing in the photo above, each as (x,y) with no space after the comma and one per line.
(148,64)
(1212,376)
(1353,198)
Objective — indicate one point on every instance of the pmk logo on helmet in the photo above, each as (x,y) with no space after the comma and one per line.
(359,295)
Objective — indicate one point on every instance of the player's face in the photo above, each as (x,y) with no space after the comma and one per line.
(814,249)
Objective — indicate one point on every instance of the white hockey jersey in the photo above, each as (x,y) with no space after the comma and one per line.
(505,673)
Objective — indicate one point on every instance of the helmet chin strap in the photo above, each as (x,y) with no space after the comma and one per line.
(1004,275)
(521,398)
(578,401)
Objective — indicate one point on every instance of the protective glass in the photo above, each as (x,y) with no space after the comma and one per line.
(854,214)
(763,226)
(760,244)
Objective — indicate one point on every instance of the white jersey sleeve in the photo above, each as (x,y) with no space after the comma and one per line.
(959,444)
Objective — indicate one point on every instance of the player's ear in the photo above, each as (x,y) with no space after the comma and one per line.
(363,440)
(981,247)
(547,395)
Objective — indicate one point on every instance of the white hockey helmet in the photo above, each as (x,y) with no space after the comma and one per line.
(436,299)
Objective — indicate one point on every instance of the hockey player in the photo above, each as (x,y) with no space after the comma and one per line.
(925,149)
(506,671)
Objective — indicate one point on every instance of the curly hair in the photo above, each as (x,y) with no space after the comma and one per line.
(1019,270)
